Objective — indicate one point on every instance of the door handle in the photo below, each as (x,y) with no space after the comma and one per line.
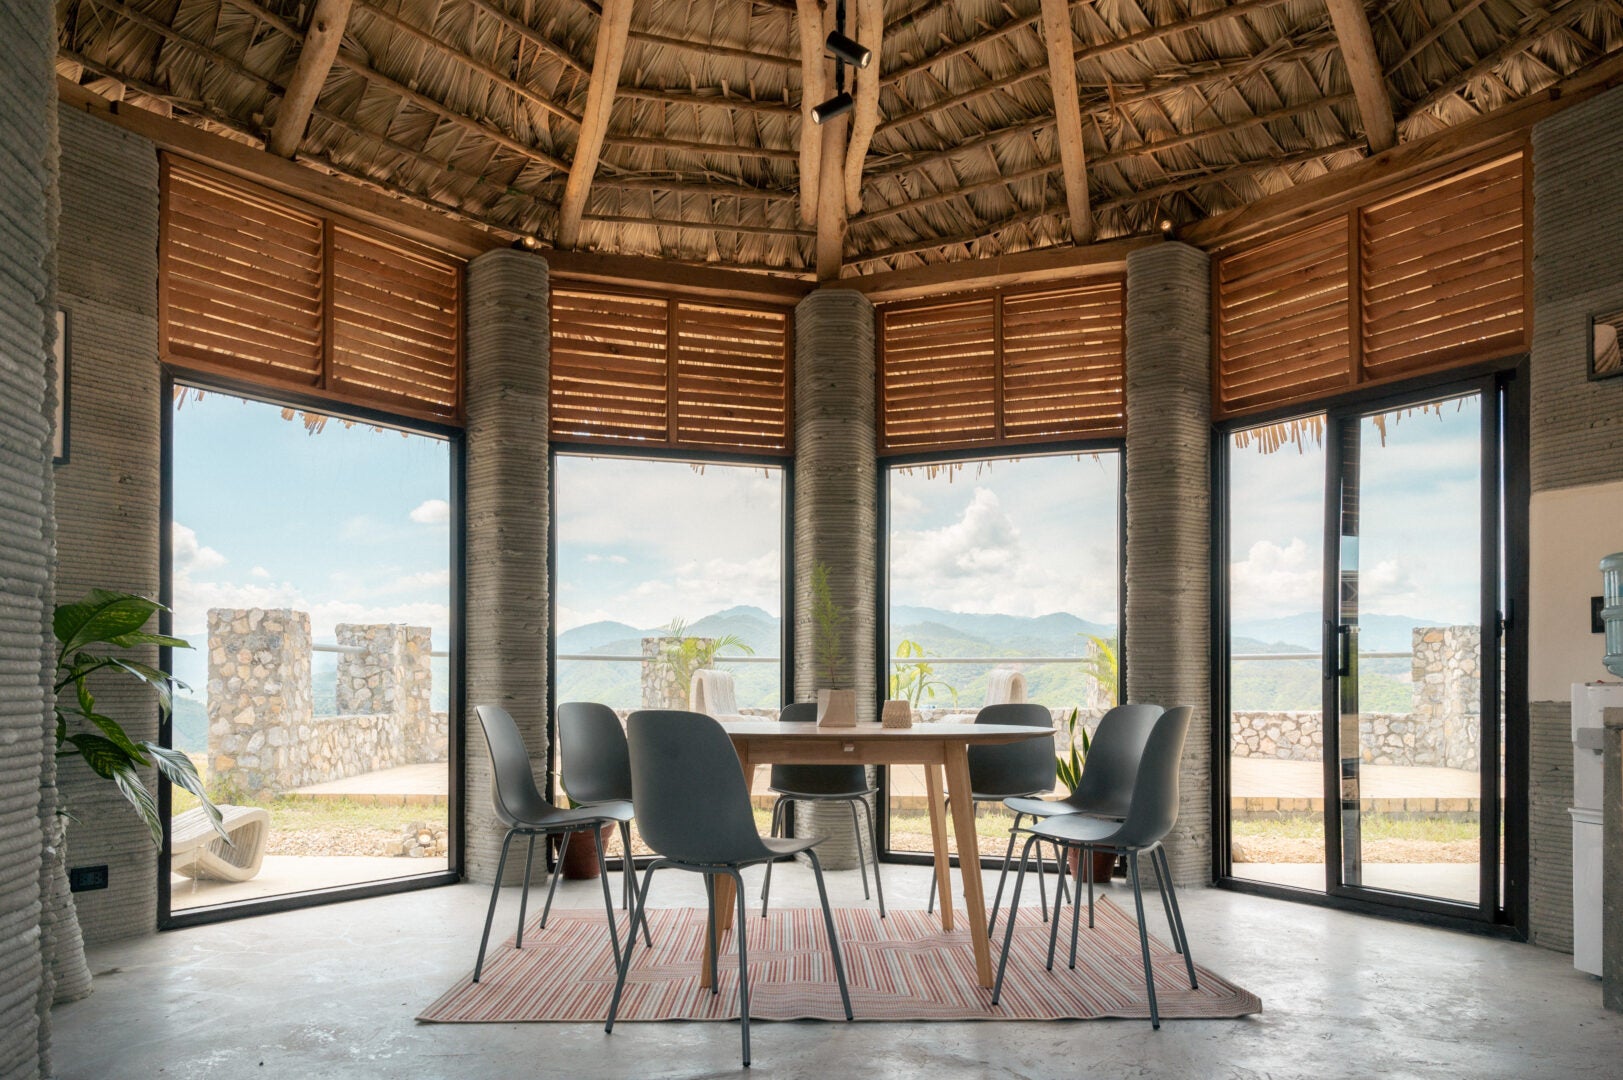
(1344,649)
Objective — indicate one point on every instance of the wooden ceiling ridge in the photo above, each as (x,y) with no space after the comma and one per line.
(1057,40)
(316,54)
(1364,71)
(613,25)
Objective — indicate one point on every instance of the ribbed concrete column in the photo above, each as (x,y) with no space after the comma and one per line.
(26,101)
(836,516)
(1168,632)
(109,493)
(507,507)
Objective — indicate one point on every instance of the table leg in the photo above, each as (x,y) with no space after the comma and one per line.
(938,837)
(725,890)
(969,857)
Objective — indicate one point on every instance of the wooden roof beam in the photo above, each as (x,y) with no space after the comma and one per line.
(1057,35)
(865,117)
(705,48)
(1364,70)
(612,28)
(316,56)
(813,89)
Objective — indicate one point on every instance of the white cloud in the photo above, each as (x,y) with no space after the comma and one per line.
(1273,581)
(432,512)
(188,554)
(423,579)
(618,560)
(259,572)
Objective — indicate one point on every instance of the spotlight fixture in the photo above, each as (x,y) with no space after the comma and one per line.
(527,243)
(838,105)
(847,51)
(1168,230)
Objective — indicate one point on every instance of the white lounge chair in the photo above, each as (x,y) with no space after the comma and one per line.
(712,693)
(1004,686)
(197,851)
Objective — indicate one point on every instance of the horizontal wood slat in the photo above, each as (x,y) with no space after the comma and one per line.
(1441,273)
(651,369)
(1010,366)
(283,296)
(1282,332)
(243,281)
(1441,282)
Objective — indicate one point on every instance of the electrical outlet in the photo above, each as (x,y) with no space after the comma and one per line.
(86,878)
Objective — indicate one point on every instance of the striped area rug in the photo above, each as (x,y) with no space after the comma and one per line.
(900,968)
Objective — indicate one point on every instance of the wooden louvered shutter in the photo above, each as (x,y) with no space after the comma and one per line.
(1282,321)
(732,377)
(1062,363)
(938,383)
(609,367)
(395,324)
(242,281)
(1441,273)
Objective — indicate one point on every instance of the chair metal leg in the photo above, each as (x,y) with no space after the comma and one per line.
(1087,855)
(631,942)
(495,891)
(1059,890)
(878,886)
(1166,905)
(862,861)
(1053,932)
(929,908)
(1144,939)
(1008,926)
(1076,911)
(710,930)
(1177,915)
(1042,889)
(779,816)
(557,872)
(628,875)
(524,895)
(743,964)
(1003,875)
(833,937)
(608,906)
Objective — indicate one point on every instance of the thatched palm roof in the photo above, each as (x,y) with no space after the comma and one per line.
(1188,108)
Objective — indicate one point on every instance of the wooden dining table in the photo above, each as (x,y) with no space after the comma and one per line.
(936,747)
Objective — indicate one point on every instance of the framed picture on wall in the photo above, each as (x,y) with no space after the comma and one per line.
(59,449)
(1606,337)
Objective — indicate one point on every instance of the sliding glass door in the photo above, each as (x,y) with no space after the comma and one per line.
(1388,786)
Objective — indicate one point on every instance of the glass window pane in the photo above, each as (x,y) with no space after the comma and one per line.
(310,565)
(1004,580)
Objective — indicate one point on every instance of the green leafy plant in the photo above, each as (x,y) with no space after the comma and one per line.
(1073,753)
(830,619)
(1102,665)
(105,618)
(916,681)
(682,653)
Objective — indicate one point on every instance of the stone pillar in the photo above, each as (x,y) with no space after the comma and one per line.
(391,676)
(1168,631)
(507,510)
(836,517)
(258,698)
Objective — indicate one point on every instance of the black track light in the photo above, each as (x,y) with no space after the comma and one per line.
(838,105)
(843,48)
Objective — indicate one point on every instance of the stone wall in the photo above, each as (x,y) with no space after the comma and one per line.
(27,800)
(264,739)
(661,689)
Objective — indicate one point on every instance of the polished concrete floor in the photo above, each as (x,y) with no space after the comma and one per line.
(332,992)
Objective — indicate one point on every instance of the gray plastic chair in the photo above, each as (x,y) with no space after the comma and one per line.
(525,811)
(1107,778)
(1152,811)
(823,783)
(595,768)
(694,811)
(1021,769)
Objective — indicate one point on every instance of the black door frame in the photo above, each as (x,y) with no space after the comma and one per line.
(1503,907)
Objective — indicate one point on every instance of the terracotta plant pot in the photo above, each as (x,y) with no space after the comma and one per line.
(580,861)
(1104,864)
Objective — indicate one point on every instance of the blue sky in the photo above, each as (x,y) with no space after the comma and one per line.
(348,524)
(1419,530)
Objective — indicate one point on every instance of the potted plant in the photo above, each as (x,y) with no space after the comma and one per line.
(82,630)
(835,708)
(916,682)
(1072,756)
